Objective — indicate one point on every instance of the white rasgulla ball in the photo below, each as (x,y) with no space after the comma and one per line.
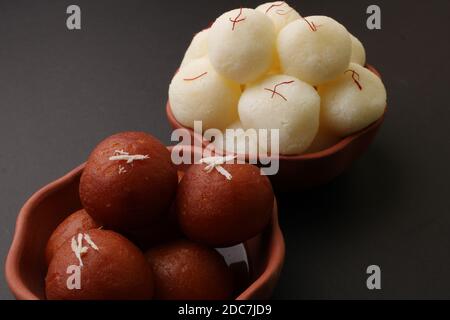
(358,52)
(198,92)
(241,45)
(353,101)
(285,103)
(198,47)
(314,56)
(280,13)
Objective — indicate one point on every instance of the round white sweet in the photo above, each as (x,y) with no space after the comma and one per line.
(198,92)
(241,45)
(285,103)
(316,56)
(358,52)
(353,101)
(280,13)
(197,49)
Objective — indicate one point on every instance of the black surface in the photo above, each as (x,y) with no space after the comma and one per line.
(63,91)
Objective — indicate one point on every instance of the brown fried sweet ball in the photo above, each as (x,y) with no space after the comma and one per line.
(219,212)
(184,270)
(128,182)
(99,265)
(77,222)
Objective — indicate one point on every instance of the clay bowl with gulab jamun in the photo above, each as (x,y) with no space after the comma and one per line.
(60,235)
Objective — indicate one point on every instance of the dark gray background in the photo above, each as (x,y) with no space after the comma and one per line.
(62,91)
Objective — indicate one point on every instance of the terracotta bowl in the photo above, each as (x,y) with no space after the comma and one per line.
(25,266)
(305,171)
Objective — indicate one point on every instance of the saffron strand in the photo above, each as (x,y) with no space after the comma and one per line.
(197,77)
(275,92)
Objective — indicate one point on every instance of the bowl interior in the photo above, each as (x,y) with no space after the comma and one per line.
(255,264)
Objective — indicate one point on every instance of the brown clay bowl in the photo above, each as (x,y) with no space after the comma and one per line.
(25,266)
(298,172)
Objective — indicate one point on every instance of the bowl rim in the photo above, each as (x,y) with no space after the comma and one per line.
(273,265)
(12,274)
(342,144)
(275,260)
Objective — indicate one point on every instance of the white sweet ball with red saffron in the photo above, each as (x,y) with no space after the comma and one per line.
(315,49)
(198,92)
(241,45)
(358,52)
(285,103)
(197,49)
(352,101)
(280,13)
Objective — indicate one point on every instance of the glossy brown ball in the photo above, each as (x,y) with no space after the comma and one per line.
(77,222)
(118,270)
(124,195)
(184,270)
(220,212)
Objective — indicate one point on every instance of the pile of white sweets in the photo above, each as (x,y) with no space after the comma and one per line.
(271,68)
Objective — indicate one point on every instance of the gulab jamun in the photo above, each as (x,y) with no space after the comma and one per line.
(220,211)
(99,265)
(128,182)
(77,222)
(185,270)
